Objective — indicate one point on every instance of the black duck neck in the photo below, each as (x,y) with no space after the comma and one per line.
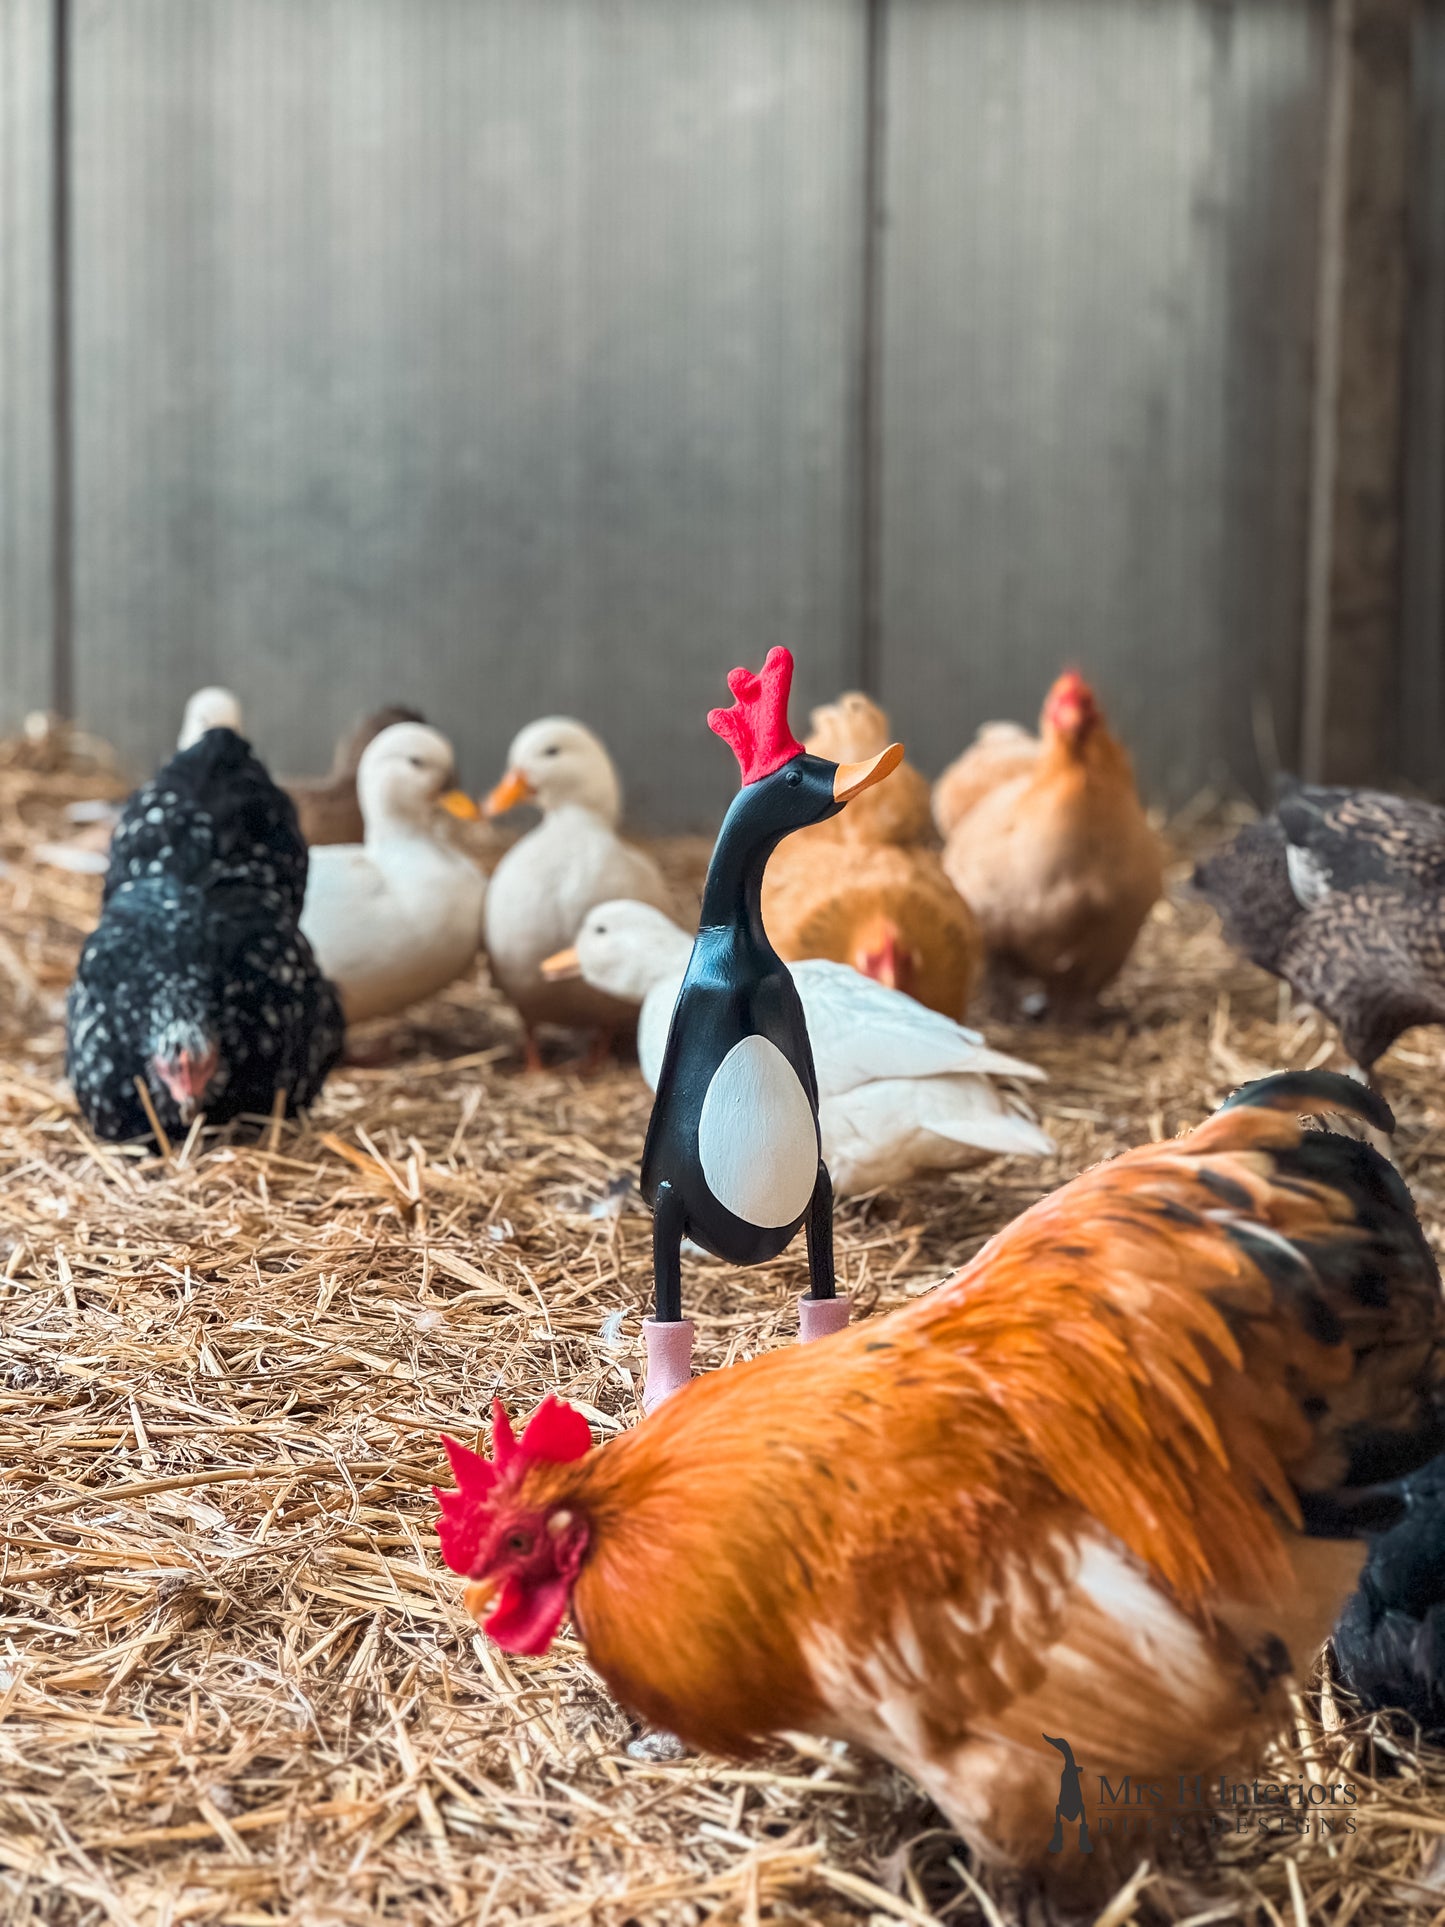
(733,892)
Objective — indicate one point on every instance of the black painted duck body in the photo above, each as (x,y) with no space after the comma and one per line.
(732,1159)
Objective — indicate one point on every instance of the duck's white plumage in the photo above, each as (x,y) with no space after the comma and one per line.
(901,1088)
(209,708)
(548,881)
(398,917)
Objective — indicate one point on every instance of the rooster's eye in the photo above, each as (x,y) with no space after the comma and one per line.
(550,750)
(792,779)
(519,1542)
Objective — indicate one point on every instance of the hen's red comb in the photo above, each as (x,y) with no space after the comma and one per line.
(556,1434)
(757,724)
(1070,691)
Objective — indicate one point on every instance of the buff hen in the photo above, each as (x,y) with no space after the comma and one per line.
(873,893)
(1049,843)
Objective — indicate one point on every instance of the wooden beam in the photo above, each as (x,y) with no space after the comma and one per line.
(62,425)
(1353,599)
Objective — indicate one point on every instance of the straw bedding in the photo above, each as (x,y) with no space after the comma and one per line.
(236,1684)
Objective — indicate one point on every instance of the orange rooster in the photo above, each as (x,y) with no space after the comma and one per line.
(871,893)
(1106,1483)
(1048,841)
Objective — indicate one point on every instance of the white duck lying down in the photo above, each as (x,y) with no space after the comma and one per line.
(901,1089)
(398,917)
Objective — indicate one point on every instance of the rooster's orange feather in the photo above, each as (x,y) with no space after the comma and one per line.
(1101,1483)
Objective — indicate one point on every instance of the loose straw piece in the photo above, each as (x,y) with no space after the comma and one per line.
(227,1646)
(150,1110)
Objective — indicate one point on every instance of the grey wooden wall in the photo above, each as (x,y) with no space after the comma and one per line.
(510,358)
(26,340)
(1098,301)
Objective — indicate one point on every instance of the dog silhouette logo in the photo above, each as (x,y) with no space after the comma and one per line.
(1070,1804)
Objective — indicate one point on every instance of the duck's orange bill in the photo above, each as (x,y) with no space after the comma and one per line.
(457,803)
(512,790)
(478,1598)
(851,779)
(561,965)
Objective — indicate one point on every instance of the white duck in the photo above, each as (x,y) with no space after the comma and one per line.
(548,881)
(901,1089)
(210,708)
(398,917)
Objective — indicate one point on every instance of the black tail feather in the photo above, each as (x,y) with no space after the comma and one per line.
(1311,1091)
(1351,1514)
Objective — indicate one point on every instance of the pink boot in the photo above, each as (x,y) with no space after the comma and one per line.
(820,1317)
(669,1358)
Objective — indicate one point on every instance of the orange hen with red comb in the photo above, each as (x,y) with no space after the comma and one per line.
(1048,842)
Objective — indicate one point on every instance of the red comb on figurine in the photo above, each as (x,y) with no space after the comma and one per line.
(757,724)
(556,1434)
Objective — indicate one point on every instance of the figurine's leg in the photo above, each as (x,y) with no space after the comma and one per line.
(667,1230)
(532,1051)
(668,1335)
(821,1311)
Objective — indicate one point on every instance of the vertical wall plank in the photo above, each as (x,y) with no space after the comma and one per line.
(26,71)
(1421,716)
(1098,310)
(498,357)
(1353,622)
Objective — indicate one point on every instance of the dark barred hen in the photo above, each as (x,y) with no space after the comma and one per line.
(1342,893)
(197,980)
(1390,1641)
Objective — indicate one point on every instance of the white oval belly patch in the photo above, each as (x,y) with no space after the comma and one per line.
(756,1138)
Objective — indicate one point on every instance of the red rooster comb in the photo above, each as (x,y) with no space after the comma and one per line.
(757,724)
(556,1434)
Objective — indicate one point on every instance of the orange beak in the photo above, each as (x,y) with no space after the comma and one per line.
(561,965)
(479,1596)
(512,790)
(458,804)
(851,779)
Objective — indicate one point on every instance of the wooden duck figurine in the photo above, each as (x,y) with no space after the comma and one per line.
(733,1158)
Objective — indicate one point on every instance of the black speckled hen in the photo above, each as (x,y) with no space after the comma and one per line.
(197,980)
(1342,893)
(212,813)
